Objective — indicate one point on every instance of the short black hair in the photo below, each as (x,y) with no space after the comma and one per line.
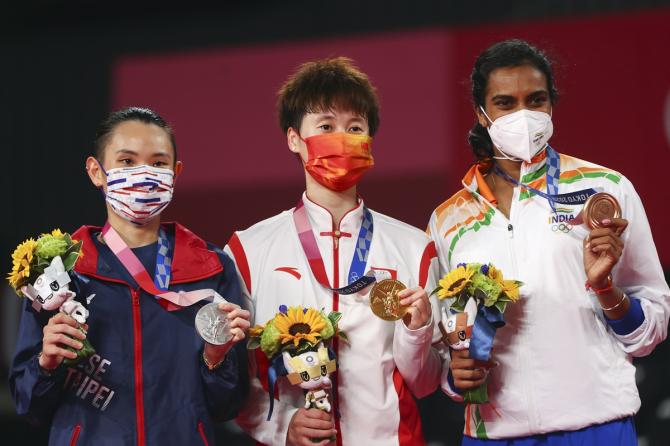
(321,85)
(140,114)
(507,53)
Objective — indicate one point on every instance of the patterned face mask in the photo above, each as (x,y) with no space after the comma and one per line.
(338,160)
(139,193)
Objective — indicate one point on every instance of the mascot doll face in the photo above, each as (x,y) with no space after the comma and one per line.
(458,327)
(311,369)
(51,289)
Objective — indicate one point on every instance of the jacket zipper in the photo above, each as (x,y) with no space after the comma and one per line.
(137,348)
(336,273)
(336,307)
(75,435)
(201,430)
(137,351)
(525,360)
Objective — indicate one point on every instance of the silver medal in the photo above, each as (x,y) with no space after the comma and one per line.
(212,324)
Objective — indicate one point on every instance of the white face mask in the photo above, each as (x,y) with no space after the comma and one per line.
(139,193)
(520,135)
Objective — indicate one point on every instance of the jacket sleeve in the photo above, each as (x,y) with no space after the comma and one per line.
(418,362)
(36,393)
(446,382)
(253,415)
(228,385)
(639,274)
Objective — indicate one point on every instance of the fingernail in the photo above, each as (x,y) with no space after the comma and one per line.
(606,221)
(588,245)
(80,345)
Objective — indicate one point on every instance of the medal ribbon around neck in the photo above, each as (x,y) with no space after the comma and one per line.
(158,287)
(553,174)
(357,279)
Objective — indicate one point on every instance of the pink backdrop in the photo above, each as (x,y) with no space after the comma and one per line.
(613,74)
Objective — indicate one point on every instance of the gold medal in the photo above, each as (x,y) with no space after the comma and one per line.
(599,207)
(384,300)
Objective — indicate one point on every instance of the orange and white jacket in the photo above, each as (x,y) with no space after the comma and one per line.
(383,364)
(562,366)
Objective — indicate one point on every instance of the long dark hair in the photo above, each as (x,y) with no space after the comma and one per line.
(508,53)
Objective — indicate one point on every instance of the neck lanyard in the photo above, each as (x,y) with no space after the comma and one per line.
(168,299)
(357,280)
(163,262)
(552,176)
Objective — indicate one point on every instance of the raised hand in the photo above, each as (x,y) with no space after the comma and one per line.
(602,249)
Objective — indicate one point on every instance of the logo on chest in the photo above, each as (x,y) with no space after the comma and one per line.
(291,270)
(562,221)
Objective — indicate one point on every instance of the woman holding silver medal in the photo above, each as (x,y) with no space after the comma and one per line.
(152,380)
(594,296)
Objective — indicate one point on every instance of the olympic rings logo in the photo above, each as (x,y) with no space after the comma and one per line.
(564,228)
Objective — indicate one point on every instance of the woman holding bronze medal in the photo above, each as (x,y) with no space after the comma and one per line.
(576,235)
(152,379)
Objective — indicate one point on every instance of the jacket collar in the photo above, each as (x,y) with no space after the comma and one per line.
(474,182)
(322,220)
(192,259)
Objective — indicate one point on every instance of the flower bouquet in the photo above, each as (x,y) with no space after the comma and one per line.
(477,295)
(40,273)
(294,342)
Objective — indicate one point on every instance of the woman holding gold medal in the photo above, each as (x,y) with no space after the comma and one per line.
(326,253)
(594,294)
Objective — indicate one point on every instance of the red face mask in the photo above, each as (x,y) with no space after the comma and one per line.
(338,160)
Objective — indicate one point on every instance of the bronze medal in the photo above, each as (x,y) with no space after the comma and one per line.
(384,300)
(599,207)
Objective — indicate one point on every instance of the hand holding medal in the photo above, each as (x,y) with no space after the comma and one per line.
(603,246)
(222,325)
(391,300)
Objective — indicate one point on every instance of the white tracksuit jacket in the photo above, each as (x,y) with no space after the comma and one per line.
(384,363)
(562,367)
